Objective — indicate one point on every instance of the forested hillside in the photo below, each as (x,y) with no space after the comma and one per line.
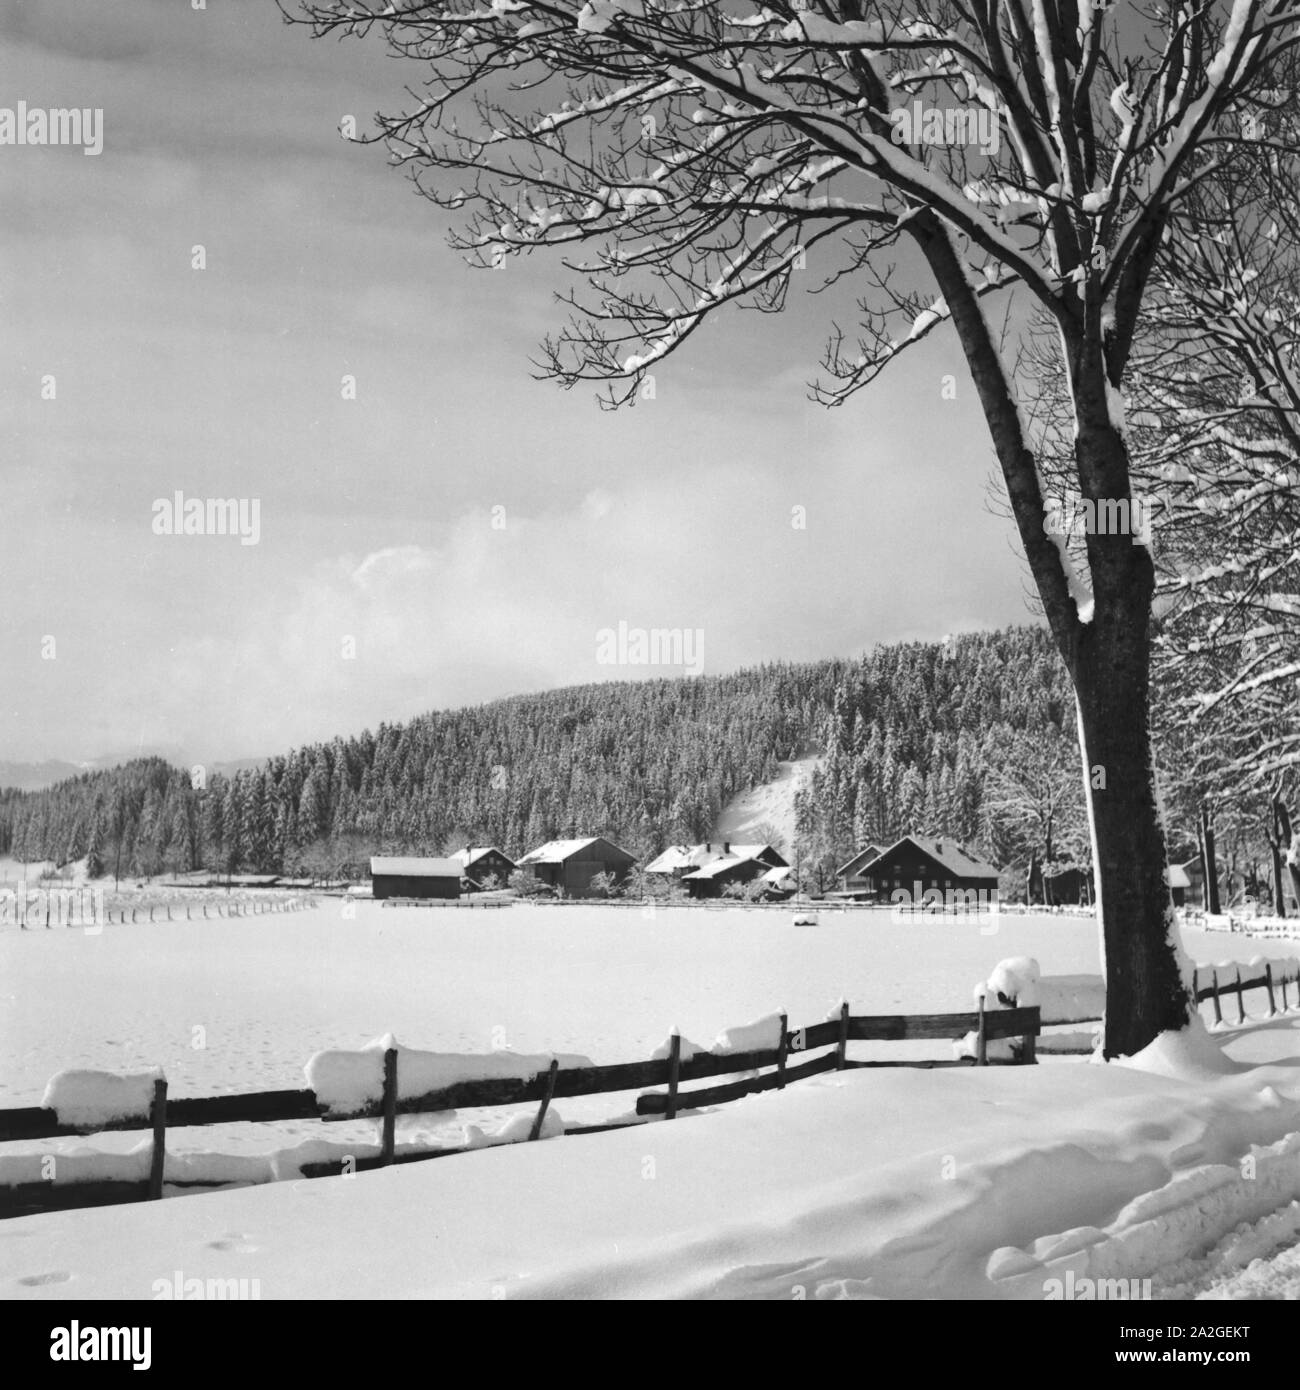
(972,739)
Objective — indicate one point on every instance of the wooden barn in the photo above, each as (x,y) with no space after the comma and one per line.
(570,865)
(740,864)
(1071,887)
(918,864)
(478,865)
(401,877)
(679,860)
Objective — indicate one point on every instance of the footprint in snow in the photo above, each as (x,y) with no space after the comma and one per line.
(236,1243)
(58,1276)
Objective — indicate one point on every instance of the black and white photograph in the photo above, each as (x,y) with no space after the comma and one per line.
(650,652)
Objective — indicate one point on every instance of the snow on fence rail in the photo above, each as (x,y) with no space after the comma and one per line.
(375,1089)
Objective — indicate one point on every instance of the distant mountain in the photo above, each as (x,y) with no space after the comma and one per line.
(29,777)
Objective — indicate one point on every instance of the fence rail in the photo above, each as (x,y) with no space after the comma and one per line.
(38,1122)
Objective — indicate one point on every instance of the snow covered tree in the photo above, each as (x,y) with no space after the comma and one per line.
(689,157)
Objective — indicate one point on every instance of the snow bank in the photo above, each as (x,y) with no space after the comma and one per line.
(1189,1053)
(1071,998)
(763,1035)
(100,1097)
(1099,1172)
(519,1127)
(344,1081)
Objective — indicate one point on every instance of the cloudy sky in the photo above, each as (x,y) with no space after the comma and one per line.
(380,586)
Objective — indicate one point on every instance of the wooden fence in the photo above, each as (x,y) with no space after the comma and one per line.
(37,1122)
(156,911)
(1275,985)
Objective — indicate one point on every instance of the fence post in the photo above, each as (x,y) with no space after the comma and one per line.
(1241,1008)
(1272,1003)
(981,1039)
(674,1073)
(389,1141)
(781,1051)
(841,1052)
(158,1159)
(1029,1045)
(1214,985)
(1195,987)
(536,1131)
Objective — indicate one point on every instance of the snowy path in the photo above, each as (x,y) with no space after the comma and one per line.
(1259,1260)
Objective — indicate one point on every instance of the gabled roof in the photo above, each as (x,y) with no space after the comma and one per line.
(673,858)
(468,855)
(408,867)
(693,856)
(1178,877)
(956,859)
(721,865)
(557,851)
(859,862)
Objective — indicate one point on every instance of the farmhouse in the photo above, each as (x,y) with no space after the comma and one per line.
(679,860)
(917,864)
(399,877)
(850,874)
(570,865)
(737,864)
(478,865)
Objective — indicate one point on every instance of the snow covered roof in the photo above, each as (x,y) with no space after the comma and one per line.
(470,855)
(673,858)
(777,875)
(859,862)
(556,851)
(693,856)
(410,867)
(720,865)
(1179,877)
(954,857)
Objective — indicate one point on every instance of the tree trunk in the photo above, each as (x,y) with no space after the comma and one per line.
(1282,824)
(1110,662)
(1145,992)
(1209,865)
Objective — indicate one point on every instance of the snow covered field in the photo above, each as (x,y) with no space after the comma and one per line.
(846,1163)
